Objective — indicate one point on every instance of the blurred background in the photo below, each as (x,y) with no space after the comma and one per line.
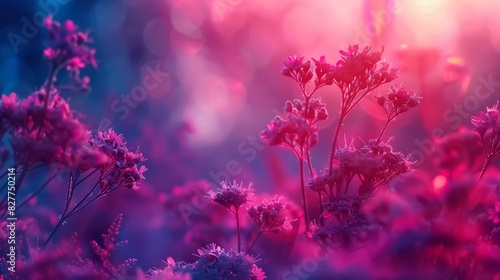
(193,82)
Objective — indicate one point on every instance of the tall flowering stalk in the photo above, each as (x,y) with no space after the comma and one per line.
(44,131)
(232,196)
(42,126)
(121,170)
(297,130)
(396,102)
(487,125)
(356,74)
(269,216)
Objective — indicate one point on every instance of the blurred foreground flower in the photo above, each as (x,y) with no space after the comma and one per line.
(216,263)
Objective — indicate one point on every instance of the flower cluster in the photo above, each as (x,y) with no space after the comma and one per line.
(489,121)
(358,72)
(495,213)
(270,215)
(298,69)
(294,132)
(358,69)
(313,111)
(232,195)
(41,132)
(298,130)
(105,251)
(397,101)
(445,233)
(346,235)
(375,164)
(123,169)
(216,263)
(326,182)
(67,260)
(67,44)
(487,125)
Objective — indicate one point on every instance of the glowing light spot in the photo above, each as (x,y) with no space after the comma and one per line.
(157,45)
(427,6)
(455,70)
(208,127)
(162,197)
(439,182)
(189,45)
(187,17)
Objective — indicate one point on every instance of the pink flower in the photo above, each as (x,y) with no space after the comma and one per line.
(495,213)
(314,112)
(232,195)
(8,102)
(356,64)
(216,263)
(67,43)
(297,69)
(398,101)
(44,134)
(123,170)
(323,69)
(293,132)
(487,121)
(270,215)
(375,164)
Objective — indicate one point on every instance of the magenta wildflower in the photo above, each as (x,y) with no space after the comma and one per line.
(298,131)
(325,182)
(68,44)
(395,103)
(84,157)
(356,74)
(40,132)
(294,133)
(123,170)
(487,125)
(216,263)
(324,73)
(375,164)
(398,101)
(232,195)
(270,215)
(104,252)
(489,121)
(358,70)
(297,69)
(495,213)
(313,110)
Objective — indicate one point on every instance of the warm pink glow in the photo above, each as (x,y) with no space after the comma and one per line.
(439,182)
